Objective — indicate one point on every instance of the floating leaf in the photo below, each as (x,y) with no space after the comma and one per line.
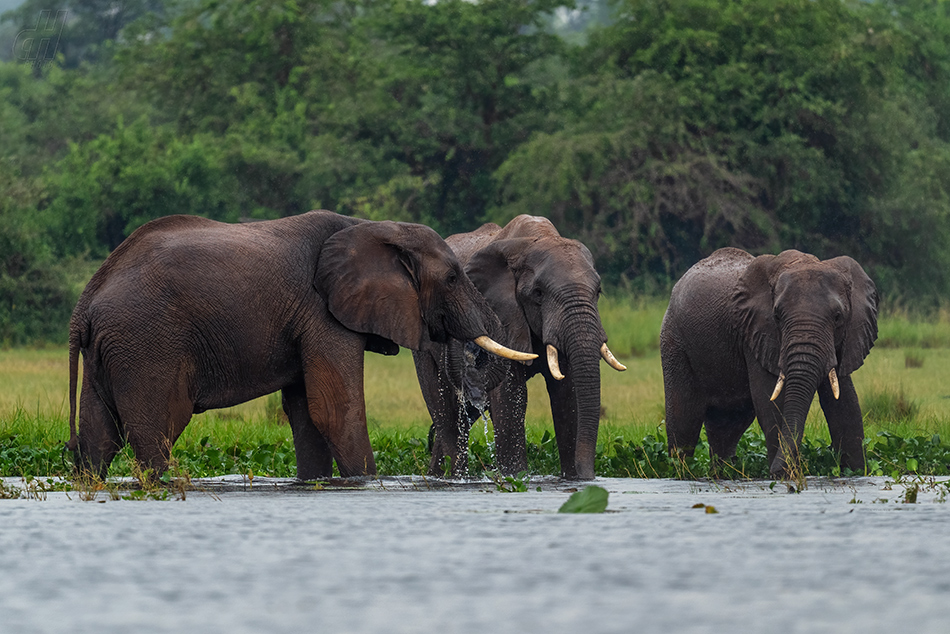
(592,499)
(710,509)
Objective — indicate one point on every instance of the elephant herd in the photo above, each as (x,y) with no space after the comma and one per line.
(190,314)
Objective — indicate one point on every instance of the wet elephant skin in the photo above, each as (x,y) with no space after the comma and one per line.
(189,314)
(748,338)
(544,289)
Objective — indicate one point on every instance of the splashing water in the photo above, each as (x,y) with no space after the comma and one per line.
(473,400)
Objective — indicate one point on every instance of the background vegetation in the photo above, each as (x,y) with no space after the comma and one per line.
(655,131)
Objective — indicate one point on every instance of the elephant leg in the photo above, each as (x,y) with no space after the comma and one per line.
(509,402)
(685,403)
(333,380)
(99,437)
(448,436)
(844,422)
(314,459)
(564,412)
(684,422)
(724,428)
(152,428)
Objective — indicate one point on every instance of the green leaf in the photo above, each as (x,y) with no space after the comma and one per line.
(592,499)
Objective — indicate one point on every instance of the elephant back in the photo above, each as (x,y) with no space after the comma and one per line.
(704,293)
(465,245)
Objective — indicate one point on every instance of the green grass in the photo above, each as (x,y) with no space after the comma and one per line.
(903,388)
(901,328)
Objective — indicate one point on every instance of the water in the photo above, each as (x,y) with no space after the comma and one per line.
(406,555)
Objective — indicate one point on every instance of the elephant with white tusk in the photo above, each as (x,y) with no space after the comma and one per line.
(544,289)
(755,337)
(189,314)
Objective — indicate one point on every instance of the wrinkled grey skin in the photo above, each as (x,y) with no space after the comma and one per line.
(189,314)
(544,289)
(735,323)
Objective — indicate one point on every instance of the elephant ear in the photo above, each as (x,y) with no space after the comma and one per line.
(492,273)
(367,273)
(752,301)
(861,329)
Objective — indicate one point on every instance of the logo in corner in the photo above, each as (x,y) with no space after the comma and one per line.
(38,45)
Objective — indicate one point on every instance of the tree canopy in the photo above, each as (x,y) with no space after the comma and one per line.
(654,131)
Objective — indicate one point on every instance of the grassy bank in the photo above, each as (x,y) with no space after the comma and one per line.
(902,386)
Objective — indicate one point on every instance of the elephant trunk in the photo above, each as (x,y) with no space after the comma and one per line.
(581,344)
(806,363)
(587,387)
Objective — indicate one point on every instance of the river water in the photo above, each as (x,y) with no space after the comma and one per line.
(411,555)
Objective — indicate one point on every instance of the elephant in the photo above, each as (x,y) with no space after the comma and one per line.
(754,338)
(544,288)
(190,314)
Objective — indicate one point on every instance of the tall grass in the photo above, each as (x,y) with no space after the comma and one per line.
(902,328)
(632,323)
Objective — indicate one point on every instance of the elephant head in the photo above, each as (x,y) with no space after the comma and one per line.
(402,283)
(806,322)
(544,289)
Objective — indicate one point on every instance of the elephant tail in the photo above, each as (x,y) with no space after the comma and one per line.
(74,343)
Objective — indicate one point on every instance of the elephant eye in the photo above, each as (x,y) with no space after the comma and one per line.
(452,279)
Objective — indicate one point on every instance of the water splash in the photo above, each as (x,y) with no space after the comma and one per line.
(472,398)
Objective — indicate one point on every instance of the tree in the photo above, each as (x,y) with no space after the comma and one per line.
(780,124)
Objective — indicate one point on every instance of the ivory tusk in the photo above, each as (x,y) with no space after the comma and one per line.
(611,359)
(778,386)
(487,343)
(833,377)
(552,363)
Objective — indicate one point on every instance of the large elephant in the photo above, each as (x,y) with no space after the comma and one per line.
(755,337)
(544,289)
(189,314)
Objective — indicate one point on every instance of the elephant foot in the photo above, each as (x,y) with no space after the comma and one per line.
(787,469)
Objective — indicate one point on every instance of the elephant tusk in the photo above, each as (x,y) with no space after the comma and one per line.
(833,377)
(552,363)
(611,359)
(778,386)
(487,343)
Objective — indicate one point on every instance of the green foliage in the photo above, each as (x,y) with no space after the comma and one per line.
(891,455)
(103,190)
(20,457)
(695,124)
(590,499)
(464,83)
(660,132)
(398,452)
(36,294)
(29,448)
